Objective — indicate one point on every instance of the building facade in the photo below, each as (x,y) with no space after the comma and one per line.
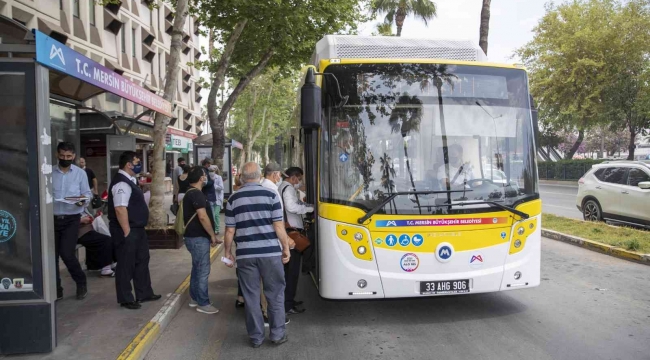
(132,38)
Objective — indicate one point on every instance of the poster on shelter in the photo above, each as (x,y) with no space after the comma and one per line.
(15,248)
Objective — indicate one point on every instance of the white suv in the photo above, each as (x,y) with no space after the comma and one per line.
(616,191)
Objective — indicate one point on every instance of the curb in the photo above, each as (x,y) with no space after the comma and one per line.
(598,247)
(147,336)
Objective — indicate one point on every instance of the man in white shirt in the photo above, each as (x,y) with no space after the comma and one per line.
(459,172)
(294,209)
(128,214)
(178,171)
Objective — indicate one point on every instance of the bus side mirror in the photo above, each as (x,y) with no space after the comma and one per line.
(310,102)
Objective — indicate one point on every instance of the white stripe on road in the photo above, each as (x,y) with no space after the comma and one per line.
(554,193)
(561,207)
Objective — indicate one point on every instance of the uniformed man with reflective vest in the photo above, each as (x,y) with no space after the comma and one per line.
(128,214)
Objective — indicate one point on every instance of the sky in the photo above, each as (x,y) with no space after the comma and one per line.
(511,22)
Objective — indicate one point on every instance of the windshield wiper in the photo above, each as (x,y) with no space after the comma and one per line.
(522,214)
(374,210)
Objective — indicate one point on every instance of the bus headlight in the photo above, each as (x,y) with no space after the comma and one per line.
(344,232)
(358,236)
(521,230)
(361,250)
(362,283)
(517,275)
(517,243)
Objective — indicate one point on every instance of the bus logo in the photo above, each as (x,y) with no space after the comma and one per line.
(444,252)
(391,223)
(476,260)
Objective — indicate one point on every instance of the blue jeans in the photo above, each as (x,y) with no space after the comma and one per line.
(199,248)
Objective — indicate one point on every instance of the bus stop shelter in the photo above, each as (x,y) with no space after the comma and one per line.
(36,69)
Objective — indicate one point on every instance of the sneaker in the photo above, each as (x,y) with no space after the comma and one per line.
(284,339)
(207,309)
(109,273)
(59,293)
(82,291)
(193,303)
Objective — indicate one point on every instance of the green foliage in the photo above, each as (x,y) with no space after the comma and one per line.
(565,169)
(264,110)
(383,29)
(589,66)
(397,10)
(290,28)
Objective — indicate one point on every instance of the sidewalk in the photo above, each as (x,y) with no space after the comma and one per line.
(97,328)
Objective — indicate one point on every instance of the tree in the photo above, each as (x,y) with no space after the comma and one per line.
(279,33)
(262,111)
(383,29)
(397,11)
(627,96)
(567,64)
(485,26)
(158,216)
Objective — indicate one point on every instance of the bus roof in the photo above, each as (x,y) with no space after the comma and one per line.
(392,47)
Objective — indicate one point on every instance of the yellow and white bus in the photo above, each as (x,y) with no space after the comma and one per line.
(421,159)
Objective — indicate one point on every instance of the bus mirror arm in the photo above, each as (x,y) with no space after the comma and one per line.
(344,99)
(379,206)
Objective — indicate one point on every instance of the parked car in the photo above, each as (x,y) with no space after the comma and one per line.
(617,191)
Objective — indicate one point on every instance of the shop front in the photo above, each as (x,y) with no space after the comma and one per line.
(178,144)
(43,86)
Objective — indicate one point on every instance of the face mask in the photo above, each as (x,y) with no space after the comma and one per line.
(205,182)
(137,168)
(65,163)
(298,185)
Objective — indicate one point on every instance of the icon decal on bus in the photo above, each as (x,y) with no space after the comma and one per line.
(409,262)
(476,260)
(391,240)
(404,240)
(444,252)
(417,240)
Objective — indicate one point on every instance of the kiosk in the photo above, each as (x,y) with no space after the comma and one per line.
(36,71)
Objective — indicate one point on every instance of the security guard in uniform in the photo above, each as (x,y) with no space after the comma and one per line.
(128,214)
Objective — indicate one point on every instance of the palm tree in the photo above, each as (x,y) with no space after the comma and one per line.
(397,10)
(485,26)
(383,29)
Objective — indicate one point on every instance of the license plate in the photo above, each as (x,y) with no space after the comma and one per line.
(444,287)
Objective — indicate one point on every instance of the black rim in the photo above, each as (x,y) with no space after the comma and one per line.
(592,213)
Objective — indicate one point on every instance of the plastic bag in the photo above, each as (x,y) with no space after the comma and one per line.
(100,226)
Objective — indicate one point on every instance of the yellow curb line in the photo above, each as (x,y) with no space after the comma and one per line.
(598,247)
(141,344)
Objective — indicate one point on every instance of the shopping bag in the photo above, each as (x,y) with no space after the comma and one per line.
(100,226)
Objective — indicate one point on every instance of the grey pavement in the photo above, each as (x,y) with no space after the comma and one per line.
(589,306)
(560,200)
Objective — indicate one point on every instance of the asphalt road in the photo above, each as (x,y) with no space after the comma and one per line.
(589,306)
(560,200)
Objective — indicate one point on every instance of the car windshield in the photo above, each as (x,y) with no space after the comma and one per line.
(426,127)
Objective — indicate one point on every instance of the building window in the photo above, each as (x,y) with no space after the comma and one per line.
(91,5)
(123,31)
(75,10)
(133,42)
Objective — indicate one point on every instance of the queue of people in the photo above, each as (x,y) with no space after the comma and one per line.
(123,255)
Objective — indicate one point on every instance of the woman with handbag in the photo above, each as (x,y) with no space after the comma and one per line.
(294,209)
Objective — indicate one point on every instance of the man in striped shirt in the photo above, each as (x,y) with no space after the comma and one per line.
(254,220)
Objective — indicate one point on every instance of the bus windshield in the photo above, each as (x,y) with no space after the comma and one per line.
(461,131)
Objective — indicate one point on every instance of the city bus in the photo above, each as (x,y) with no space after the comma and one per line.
(420,158)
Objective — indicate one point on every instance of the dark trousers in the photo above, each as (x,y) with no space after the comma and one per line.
(66,231)
(291,276)
(99,249)
(132,264)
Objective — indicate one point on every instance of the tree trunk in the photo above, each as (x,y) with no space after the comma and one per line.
(218,135)
(400,16)
(218,130)
(576,145)
(158,213)
(485,26)
(269,128)
(631,146)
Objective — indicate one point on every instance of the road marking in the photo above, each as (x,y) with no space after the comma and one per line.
(561,207)
(553,185)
